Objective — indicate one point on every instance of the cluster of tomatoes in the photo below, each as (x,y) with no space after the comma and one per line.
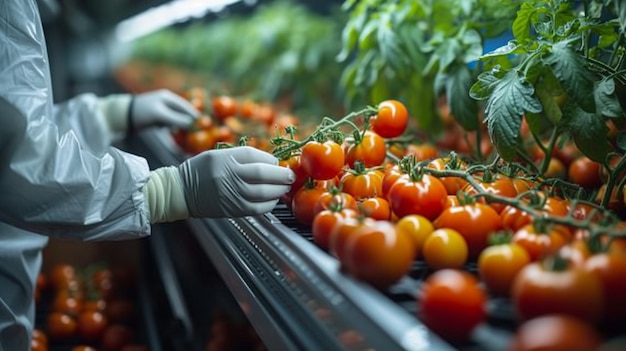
(225,118)
(89,309)
(530,245)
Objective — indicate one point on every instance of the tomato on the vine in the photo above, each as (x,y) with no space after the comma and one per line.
(304,200)
(611,269)
(335,198)
(452,304)
(342,231)
(199,141)
(362,184)
(379,254)
(452,184)
(425,196)
(546,287)
(91,325)
(390,176)
(445,248)
(501,186)
(369,148)
(322,160)
(584,172)
(514,218)
(391,120)
(61,326)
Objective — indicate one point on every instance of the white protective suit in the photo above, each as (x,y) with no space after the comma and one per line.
(59,176)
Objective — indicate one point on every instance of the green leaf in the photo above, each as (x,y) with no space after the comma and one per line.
(482,88)
(589,132)
(570,69)
(551,110)
(620,140)
(512,47)
(522,24)
(538,124)
(606,99)
(366,37)
(510,99)
(462,106)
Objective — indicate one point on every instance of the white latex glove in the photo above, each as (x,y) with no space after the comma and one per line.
(235,182)
(161,108)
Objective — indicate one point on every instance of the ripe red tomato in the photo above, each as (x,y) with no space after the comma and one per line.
(475,222)
(584,172)
(91,325)
(362,185)
(379,254)
(376,208)
(322,160)
(499,264)
(61,326)
(199,141)
(335,199)
(66,304)
(39,335)
(371,150)
(452,184)
(452,304)
(539,290)
(325,221)
(37,345)
(445,248)
(391,120)
(224,106)
(304,201)
(390,176)
(418,227)
(555,332)
(611,269)
(61,274)
(426,196)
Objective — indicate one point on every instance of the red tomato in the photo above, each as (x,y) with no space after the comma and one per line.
(334,199)
(499,264)
(368,183)
(371,150)
(376,208)
(422,152)
(37,345)
(611,269)
(39,335)
(475,222)
(199,141)
(61,326)
(379,254)
(224,106)
(322,160)
(418,227)
(538,290)
(425,197)
(342,231)
(304,201)
(555,332)
(61,274)
(584,172)
(66,304)
(91,325)
(325,221)
(391,120)
(514,218)
(445,248)
(452,304)
(540,243)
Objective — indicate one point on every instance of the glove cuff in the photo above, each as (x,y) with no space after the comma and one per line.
(115,109)
(164,194)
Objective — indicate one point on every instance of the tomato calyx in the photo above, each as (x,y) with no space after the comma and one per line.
(555,263)
(500,238)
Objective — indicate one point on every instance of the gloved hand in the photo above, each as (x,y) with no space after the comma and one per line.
(161,108)
(235,182)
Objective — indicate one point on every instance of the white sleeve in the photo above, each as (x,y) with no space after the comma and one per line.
(50,182)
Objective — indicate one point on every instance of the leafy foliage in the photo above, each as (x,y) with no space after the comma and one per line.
(280,50)
(557,51)
(417,50)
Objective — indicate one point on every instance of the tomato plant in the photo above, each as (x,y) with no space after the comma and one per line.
(452,304)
